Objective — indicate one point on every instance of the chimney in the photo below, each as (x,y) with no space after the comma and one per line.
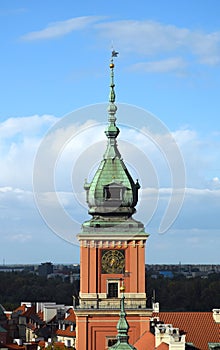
(156,307)
(166,333)
(216,315)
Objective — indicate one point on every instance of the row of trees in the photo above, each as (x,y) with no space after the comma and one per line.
(177,294)
(181,294)
(20,286)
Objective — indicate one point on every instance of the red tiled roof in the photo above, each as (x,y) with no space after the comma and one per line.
(200,327)
(146,341)
(71,317)
(60,345)
(29,311)
(66,333)
(21,308)
(14,346)
(163,346)
(25,311)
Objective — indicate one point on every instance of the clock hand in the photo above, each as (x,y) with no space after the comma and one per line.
(112,262)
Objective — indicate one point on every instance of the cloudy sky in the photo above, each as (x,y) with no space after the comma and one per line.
(54,93)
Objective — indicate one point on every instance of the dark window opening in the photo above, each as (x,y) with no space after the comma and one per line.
(112,342)
(113,192)
(113,290)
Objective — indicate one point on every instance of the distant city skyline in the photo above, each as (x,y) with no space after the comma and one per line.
(55,59)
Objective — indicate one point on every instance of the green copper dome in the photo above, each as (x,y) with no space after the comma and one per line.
(112,189)
(112,194)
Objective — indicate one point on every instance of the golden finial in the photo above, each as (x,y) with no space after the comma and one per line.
(114,54)
(122,288)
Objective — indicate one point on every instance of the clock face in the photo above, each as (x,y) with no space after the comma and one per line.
(113,261)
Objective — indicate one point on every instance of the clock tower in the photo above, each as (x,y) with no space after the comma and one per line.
(112,249)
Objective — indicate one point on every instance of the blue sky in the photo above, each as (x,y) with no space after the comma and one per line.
(54,60)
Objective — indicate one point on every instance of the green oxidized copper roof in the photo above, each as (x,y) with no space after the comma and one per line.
(112,194)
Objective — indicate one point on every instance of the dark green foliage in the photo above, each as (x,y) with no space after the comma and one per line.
(181,294)
(20,286)
(176,294)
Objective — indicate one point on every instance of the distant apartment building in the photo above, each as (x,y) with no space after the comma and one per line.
(45,269)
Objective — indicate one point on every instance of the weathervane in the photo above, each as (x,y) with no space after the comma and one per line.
(114,53)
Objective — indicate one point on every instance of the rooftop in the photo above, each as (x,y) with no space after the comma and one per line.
(200,327)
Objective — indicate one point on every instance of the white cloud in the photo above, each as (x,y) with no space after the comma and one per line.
(20,237)
(201,157)
(19,140)
(172,48)
(14,198)
(162,66)
(185,136)
(5,189)
(207,47)
(32,125)
(215,183)
(144,37)
(199,210)
(61,28)
(18,214)
(150,38)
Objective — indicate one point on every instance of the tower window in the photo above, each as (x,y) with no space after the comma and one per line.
(113,192)
(113,290)
(111,341)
